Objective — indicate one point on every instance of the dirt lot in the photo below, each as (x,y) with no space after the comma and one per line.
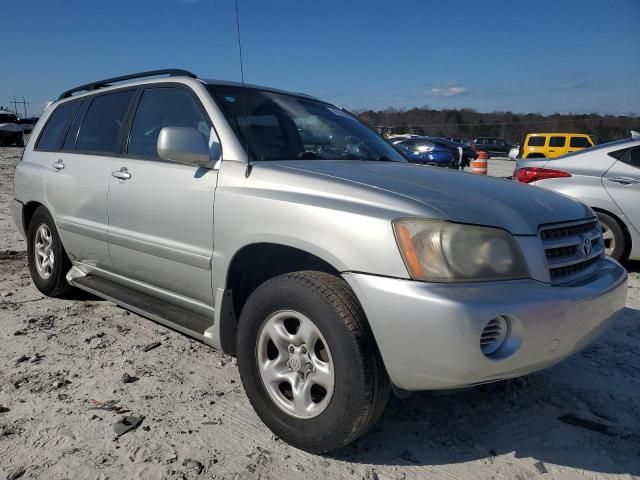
(60,358)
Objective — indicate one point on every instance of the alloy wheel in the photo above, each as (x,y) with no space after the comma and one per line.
(44,256)
(295,364)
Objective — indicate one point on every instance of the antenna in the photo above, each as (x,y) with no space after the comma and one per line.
(244,99)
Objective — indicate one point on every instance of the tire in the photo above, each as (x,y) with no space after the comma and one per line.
(360,383)
(615,240)
(48,277)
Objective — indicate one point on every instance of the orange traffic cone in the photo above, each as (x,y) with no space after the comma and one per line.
(479,165)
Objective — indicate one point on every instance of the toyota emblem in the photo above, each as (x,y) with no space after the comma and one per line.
(586,247)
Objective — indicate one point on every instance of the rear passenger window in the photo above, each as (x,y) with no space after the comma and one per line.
(557,141)
(536,141)
(54,131)
(103,123)
(632,157)
(579,142)
(72,132)
(159,108)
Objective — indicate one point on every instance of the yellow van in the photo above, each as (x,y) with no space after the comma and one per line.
(550,145)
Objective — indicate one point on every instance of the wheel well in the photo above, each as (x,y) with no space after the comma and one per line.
(27,213)
(623,226)
(536,155)
(252,266)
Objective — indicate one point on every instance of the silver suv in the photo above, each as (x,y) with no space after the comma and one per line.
(279,228)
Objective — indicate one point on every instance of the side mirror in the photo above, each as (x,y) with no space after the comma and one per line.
(185,145)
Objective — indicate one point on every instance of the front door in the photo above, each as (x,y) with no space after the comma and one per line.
(622,182)
(161,212)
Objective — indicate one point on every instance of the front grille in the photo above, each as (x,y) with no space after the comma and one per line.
(573,250)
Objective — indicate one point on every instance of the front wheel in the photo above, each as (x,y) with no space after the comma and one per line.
(308,361)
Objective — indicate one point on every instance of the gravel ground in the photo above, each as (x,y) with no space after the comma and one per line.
(69,369)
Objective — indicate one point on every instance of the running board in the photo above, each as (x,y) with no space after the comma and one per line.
(172,316)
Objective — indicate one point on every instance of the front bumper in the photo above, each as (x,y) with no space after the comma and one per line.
(429,334)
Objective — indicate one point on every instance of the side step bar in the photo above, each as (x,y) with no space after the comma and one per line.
(172,316)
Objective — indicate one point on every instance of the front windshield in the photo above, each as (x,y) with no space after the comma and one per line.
(287,127)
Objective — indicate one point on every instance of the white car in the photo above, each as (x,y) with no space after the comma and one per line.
(605,177)
(514,153)
(10,129)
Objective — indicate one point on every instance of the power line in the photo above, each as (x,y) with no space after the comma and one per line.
(24,104)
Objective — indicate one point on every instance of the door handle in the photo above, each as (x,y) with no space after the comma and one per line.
(59,165)
(623,180)
(122,174)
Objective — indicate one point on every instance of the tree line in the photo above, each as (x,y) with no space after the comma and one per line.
(470,124)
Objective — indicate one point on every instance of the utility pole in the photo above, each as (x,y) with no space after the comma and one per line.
(24,104)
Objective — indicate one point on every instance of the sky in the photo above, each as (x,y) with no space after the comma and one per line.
(566,56)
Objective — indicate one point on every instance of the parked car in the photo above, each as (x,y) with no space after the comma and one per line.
(462,159)
(27,124)
(10,129)
(491,145)
(551,145)
(331,276)
(514,153)
(426,152)
(605,177)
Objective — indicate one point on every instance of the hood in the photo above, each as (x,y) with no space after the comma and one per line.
(462,197)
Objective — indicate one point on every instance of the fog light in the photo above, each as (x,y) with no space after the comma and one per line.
(494,335)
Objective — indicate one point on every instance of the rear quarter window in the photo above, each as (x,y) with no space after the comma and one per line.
(54,131)
(536,141)
(632,157)
(579,142)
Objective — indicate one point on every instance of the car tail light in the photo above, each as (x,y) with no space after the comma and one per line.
(533,174)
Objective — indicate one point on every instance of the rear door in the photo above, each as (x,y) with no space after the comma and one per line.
(622,182)
(161,217)
(557,145)
(78,178)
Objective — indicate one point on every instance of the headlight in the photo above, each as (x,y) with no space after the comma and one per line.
(439,251)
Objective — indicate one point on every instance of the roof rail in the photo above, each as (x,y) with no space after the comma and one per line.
(171,72)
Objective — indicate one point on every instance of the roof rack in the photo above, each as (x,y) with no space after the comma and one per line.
(171,72)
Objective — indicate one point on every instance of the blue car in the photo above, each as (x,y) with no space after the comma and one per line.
(423,151)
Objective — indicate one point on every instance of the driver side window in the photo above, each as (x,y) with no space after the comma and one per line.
(159,108)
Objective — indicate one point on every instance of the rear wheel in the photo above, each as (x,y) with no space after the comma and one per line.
(48,262)
(615,241)
(308,361)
